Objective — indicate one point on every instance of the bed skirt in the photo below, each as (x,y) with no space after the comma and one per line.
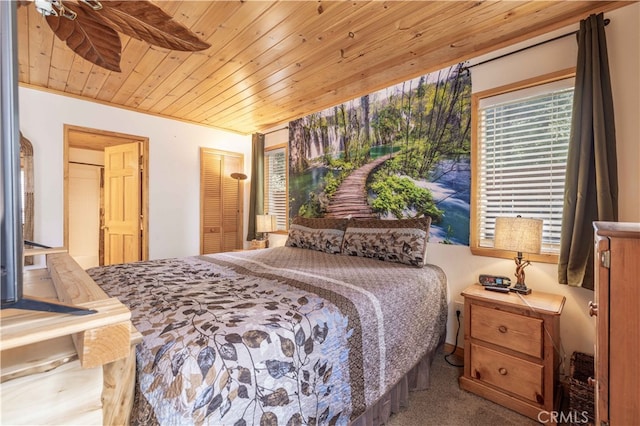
(416,379)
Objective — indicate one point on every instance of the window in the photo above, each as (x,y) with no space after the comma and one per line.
(520,152)
(276,184)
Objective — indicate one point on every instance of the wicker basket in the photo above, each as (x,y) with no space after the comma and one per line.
(581,397)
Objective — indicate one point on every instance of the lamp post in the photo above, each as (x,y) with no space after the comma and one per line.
(238,176)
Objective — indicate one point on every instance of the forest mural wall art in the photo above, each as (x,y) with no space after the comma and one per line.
(401,152)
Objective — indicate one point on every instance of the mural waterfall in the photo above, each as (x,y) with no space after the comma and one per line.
(400,152)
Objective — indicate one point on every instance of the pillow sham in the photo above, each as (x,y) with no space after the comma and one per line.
(321,222)
(401,241)
(317,234)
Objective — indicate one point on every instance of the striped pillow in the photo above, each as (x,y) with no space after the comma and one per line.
(401,241)
(317,234)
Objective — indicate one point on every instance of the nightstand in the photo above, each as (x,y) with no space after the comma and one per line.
(511,348)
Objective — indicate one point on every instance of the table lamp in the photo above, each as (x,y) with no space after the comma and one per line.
(266,223)
(521,235)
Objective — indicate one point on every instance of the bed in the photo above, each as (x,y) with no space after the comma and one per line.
(287,335)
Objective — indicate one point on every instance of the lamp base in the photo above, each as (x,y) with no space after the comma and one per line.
(520,289)
(259,244)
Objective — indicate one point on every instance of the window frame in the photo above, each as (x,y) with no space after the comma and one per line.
(474,237)
(281,146)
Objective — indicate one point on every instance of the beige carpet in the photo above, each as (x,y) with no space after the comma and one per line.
(445,404)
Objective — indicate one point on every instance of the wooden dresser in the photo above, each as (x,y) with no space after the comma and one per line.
(510,344)
(617,312)
(67,369)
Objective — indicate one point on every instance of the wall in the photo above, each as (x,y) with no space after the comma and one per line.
(174,166)
(462,268)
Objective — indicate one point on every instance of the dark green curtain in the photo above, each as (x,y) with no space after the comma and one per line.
(591,186)
(256,198)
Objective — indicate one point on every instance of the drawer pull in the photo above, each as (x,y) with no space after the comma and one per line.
(591,382)
(502,329)
(593,309)
(502,371)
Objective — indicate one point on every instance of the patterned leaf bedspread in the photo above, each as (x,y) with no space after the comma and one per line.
(279,336)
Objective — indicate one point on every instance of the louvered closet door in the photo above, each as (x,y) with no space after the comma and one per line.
(220,201)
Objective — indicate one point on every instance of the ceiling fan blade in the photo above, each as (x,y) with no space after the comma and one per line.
(146,21)
(89,38)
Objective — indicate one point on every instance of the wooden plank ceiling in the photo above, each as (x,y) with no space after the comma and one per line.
(274,61)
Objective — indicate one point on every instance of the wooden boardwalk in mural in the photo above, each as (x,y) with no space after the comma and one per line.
(350,199)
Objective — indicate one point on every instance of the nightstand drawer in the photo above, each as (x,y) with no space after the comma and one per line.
(517,332)
(515,375)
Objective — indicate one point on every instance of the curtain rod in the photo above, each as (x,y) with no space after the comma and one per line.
(606,22)
(86,164)
(276,130)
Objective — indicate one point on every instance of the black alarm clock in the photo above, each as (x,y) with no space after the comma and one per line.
(495,280)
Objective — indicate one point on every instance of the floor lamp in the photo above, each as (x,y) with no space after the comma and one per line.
(238,177)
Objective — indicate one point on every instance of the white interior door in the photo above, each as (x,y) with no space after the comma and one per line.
(84,214)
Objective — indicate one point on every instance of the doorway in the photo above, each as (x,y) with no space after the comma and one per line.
(90,233)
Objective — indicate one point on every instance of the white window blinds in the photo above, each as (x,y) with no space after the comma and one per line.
(523,141)
(276,186)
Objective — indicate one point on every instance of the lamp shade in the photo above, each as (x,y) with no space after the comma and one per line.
(518,234)
(238,176)
(265,223)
